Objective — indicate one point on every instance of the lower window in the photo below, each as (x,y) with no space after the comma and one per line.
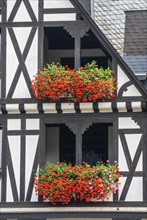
(61,143)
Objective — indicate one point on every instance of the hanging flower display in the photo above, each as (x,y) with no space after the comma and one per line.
(88,83)
(61,183)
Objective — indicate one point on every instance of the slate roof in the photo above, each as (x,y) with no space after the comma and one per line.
(110,17)
(138,64)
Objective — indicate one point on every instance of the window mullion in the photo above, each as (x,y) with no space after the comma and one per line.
(78,146)
(77,51)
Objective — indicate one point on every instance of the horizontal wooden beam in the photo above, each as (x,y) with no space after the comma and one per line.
(58,10)
(41,24)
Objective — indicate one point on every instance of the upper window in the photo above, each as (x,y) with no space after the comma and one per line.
(62,49)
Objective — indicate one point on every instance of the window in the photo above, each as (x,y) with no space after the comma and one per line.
(62,49)
(61,143)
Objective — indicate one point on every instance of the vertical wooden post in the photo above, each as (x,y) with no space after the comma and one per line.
(77,31)
(77,50)
(78,146)
(40,36)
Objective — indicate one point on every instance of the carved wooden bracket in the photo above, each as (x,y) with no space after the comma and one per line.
(78,127)
(79,29)
(72,127)
(85,127)
(138,121)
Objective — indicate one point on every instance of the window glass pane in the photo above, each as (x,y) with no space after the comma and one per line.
(95,143)
(60,144)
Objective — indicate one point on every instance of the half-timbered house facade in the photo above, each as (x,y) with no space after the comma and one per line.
(34,32)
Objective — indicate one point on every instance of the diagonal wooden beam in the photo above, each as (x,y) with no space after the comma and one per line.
(30,10)
(14,11)
(11,173)
(21,58)
(132,171)
(34,170)
(126,150)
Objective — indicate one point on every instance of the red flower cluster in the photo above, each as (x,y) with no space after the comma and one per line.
(60,183)
(86,84)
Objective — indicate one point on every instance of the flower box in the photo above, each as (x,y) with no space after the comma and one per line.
(62,183)
(88,84)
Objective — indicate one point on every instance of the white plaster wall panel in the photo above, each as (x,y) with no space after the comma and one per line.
(32,58)
(22,35)
(121,106)
(57,4)
(10,5)
(32,124)
(60,17)
(14,145)
(9,195)
(34,197)
(49,108)
(21,90)
(67,108)
(121,157)
(31,147)
(136,106)
(86,107)
(139,166)
(122,181)
(31,108)
(34,5)
(133,194)
(127,123)
(12,109)
(12,62)
(0,18)
(14,124)
(22,14)
(133,142)
(105,106)
(131,91)
(121,78)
